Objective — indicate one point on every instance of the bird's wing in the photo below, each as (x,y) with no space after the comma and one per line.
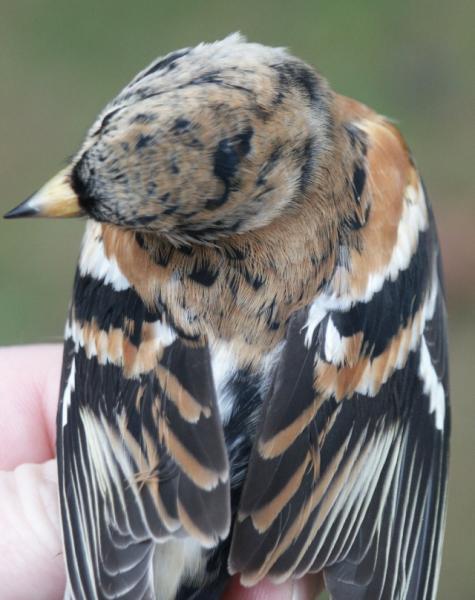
(141,450)
(348,473)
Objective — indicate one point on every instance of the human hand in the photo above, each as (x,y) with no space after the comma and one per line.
(31,564)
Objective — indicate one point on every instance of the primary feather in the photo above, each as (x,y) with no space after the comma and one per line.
(256,339)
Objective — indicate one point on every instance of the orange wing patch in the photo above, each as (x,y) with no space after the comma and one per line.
(396,215)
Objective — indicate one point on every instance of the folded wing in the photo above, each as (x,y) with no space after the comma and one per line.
(140,445)
(348,474)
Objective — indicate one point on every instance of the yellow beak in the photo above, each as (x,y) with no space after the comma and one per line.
(55,199)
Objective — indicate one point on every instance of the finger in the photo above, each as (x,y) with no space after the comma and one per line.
(31,564)
(306,588)
(29,390)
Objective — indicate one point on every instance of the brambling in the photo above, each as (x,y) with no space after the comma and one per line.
(255,360)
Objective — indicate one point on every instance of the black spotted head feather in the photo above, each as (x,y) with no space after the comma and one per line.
(208,141)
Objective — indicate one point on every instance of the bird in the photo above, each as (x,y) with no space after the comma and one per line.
(255,372)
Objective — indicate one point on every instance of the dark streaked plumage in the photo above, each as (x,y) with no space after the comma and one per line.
(255,366)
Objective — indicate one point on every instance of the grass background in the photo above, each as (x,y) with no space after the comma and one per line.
(60,62)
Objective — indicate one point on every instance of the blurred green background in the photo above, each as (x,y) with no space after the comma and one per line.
(60,62)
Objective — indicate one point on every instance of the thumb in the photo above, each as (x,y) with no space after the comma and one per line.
(31,559)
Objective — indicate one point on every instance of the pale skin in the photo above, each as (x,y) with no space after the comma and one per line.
(31,563)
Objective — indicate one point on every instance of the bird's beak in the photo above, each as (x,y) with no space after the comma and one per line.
(55,199)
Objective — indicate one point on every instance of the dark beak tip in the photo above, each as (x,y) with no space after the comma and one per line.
(22,210)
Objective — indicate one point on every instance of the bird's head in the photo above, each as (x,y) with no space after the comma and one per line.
(206,142)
